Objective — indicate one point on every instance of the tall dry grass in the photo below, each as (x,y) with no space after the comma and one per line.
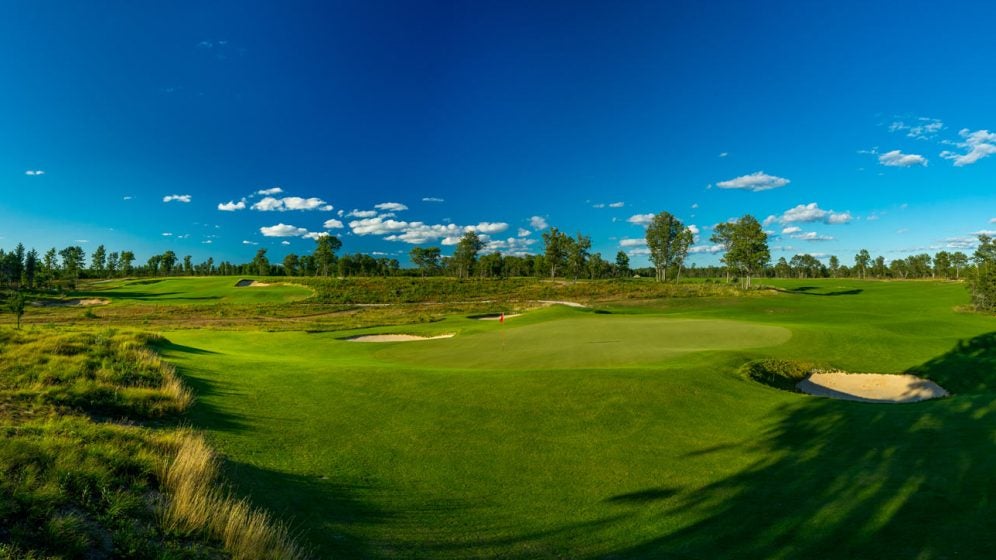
(197,504)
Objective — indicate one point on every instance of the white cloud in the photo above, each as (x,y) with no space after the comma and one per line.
(616,204)
(988,232)
(177,198)
(791,229)
(232,206)
(924,128)
(806,213)
(207,241)
(34,172)
(723,154)
(432,199)
(512,246)
(167,234)
(599,205)
(706,249)
(694,229)
(269,192)
(895,158)
(285,242)
(538,223)
(812,236)
(980,144)
(270,204)
(488,227)
(640,219)
(314,235)
(391,206)
(755,182)
(126,198)
(523,232)
(992,221)
(282,230)
(245,242)
(377,226)
(420,232)
(632,242)
(332,224)
(694,206)
(362,213)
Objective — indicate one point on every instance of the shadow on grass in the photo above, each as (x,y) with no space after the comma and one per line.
(837,479)
(809,291)
(169,346)
(969,367)
(319,512)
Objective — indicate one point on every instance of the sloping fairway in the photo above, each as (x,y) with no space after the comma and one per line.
(193,291)
(587,341)
(456,448)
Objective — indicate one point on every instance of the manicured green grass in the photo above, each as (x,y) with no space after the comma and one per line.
(545,438)
(192,291)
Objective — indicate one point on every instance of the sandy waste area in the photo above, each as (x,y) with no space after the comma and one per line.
(871,387)
(396,337)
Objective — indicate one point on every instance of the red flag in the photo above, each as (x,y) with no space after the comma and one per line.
(501,319)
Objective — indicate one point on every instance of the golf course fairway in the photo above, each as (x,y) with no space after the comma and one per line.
(624,433)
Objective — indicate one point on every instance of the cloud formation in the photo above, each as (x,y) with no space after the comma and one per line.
(232,206)
(806,213)
(391,206)
(538,223)
(432,199)
(923,128)
(269,192)
(177,198)
(283,230)
(895,158)
(271,204)
(979,145)
(332,224)
(755,182)
(640,219)
(34,172)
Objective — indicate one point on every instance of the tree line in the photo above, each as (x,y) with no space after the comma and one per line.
(743,243)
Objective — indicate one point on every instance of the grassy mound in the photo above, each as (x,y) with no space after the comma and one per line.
(87,469)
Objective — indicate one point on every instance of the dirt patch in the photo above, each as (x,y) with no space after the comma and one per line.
(88,302)
(871,387)
(396,337)
(251,284)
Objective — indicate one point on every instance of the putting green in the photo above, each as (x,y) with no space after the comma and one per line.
(585,342)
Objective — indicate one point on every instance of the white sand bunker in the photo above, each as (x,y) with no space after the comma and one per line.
(871,387)
(250,284)
(71,302)
(397,337)
(567,303)
(497,317)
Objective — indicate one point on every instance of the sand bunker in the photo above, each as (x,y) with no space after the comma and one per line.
(250,284)
(71,302)
(871,387)
(396,337)
(496,317)
(567,303)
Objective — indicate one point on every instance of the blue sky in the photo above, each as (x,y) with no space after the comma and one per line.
(841,125)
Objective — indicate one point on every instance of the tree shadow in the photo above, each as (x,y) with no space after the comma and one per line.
(969,367)
(810,291)
(322,514)
(838,479)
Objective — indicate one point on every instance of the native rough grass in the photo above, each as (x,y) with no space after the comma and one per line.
(91,465)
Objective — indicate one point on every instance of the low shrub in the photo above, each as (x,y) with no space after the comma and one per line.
(780,374)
